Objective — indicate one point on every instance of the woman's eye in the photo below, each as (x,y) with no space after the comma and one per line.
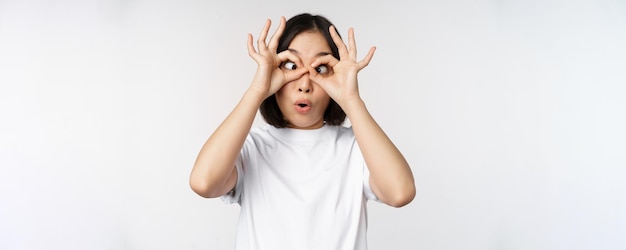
(322,69)
(290,65)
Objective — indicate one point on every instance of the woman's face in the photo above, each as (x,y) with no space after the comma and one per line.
(302,101)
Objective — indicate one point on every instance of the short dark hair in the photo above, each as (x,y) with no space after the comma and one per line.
(270,111)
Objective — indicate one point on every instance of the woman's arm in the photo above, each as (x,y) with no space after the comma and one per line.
(214,172)
(390,175)
(391,178)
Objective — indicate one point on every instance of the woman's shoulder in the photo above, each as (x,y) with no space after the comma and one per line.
(260,132)
(344,129)
(342,132)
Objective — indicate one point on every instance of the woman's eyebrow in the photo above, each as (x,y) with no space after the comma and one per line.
(323,54)
(317,55)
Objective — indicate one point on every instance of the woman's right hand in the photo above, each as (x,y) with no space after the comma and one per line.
(269,77)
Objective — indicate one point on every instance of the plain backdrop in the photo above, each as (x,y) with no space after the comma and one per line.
(511,114)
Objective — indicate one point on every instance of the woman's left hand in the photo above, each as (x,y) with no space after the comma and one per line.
(341,82)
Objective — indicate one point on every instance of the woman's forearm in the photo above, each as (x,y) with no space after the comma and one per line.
(214,173)
(390,175)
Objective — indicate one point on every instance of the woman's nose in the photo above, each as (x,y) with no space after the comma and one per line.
(305,84)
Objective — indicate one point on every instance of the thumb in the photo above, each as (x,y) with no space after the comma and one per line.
(316,77)
(295,74)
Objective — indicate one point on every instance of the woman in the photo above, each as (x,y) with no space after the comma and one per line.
(303,181)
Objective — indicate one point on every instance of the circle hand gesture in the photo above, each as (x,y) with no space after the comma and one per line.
(341,84)
(269,78)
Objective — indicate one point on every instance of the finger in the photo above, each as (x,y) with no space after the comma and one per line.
(295,74)
(277,34)
(367,58)
(251,50)
(343,51)
(300,70)
(352,43)
(320,80)
(290,56)
(315,77)
(329,60)
(263,35)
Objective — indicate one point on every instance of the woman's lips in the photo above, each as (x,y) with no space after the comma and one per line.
(303,106)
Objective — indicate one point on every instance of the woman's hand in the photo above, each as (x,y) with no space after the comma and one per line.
(269,78)
(341,82)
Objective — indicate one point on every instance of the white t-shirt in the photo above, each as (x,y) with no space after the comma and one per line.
(301,189)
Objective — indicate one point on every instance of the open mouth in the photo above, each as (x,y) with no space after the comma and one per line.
(303,106)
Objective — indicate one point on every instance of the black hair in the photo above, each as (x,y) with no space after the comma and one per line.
(270,111)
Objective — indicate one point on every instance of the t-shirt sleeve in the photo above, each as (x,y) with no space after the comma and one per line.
(367,187)
(234,195)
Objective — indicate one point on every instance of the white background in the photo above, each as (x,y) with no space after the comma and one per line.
(511,114)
